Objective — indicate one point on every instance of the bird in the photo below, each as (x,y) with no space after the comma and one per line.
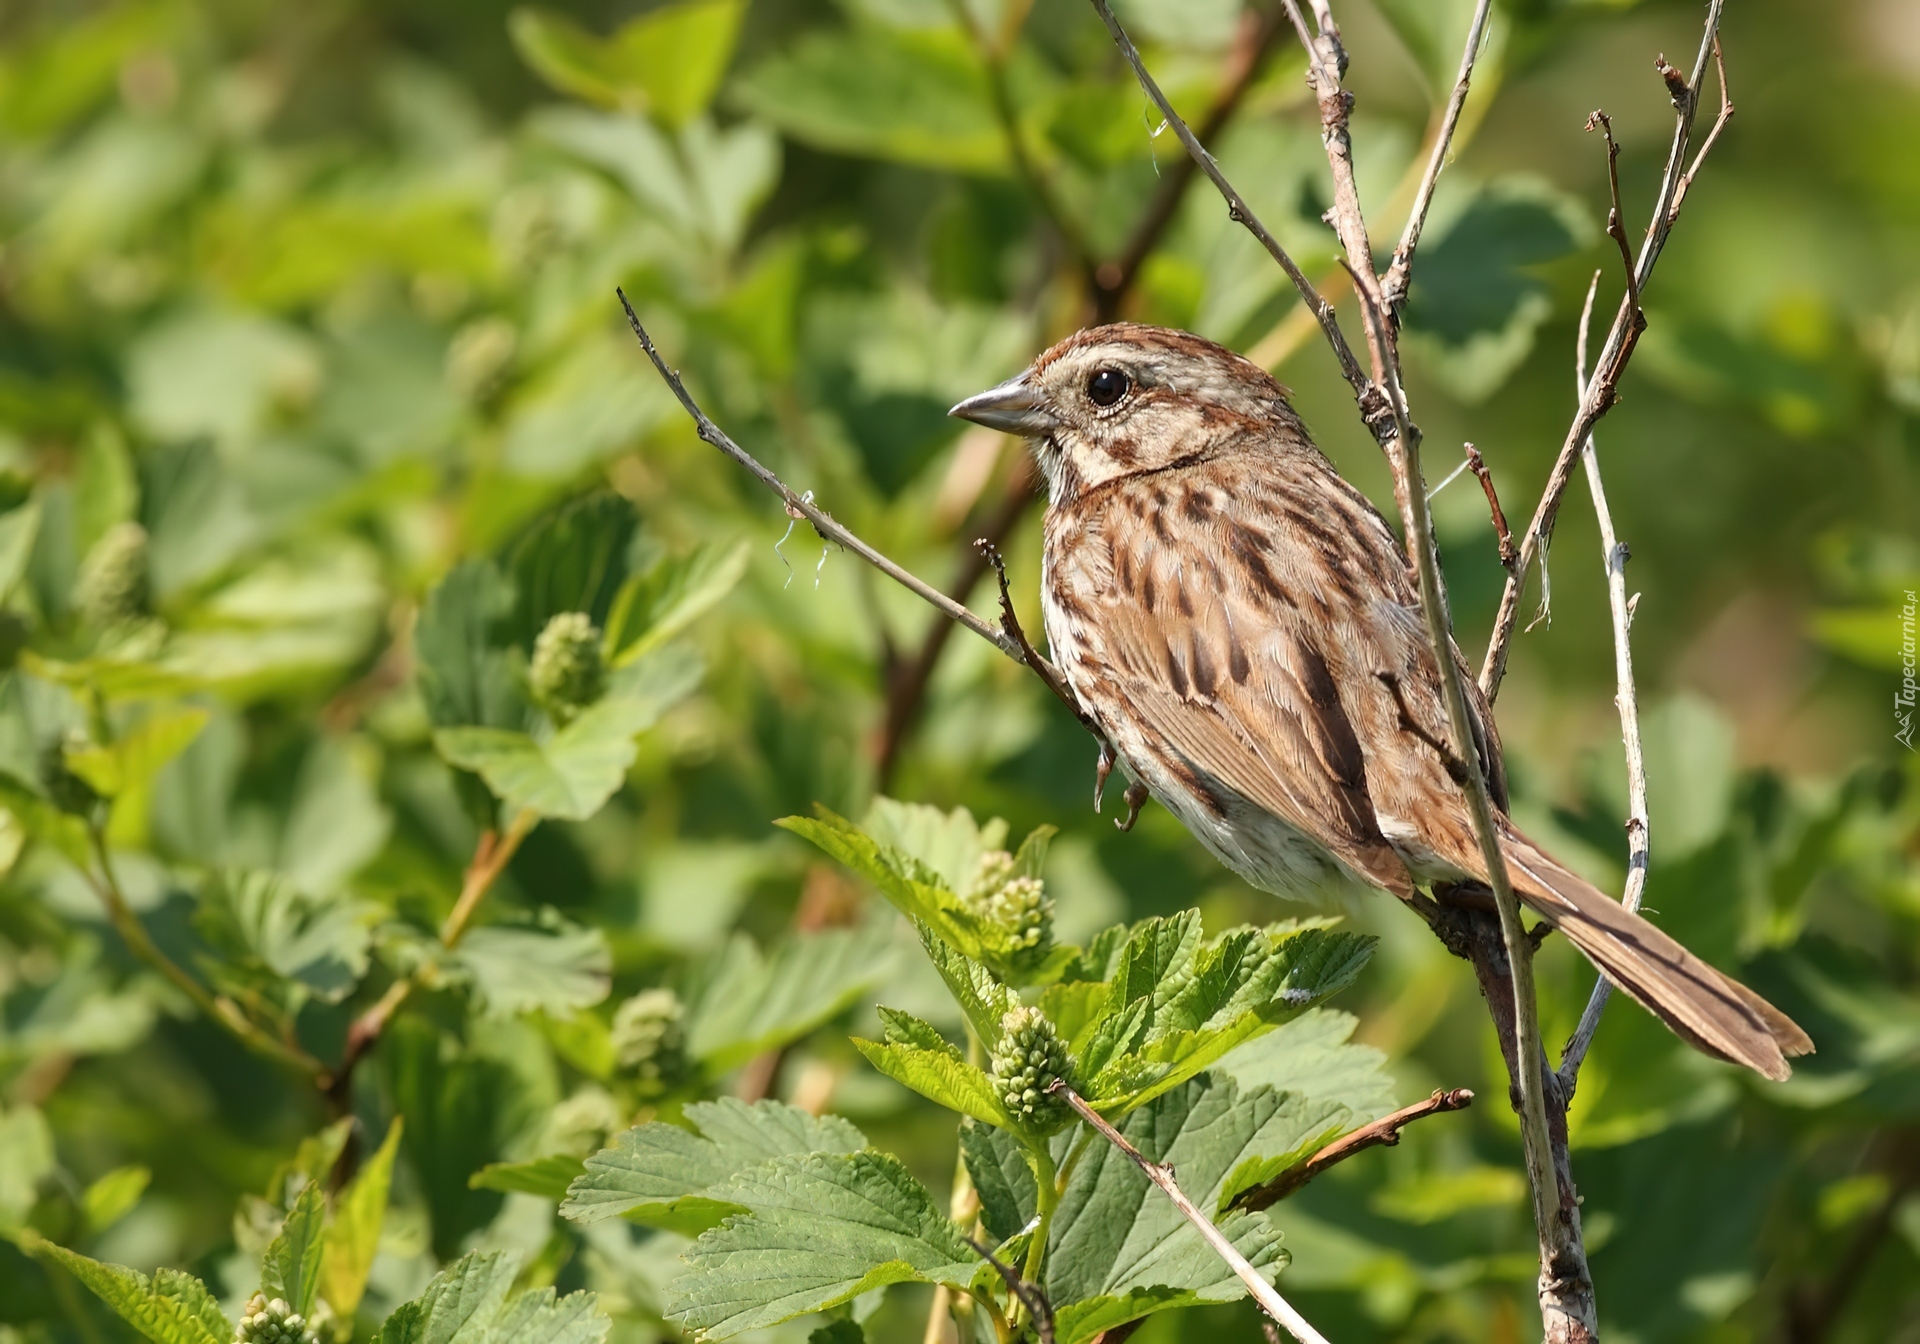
(1243,627)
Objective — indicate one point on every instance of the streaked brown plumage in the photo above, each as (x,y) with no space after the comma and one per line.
(1237,618)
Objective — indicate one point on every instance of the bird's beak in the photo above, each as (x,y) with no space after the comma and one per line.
(1014,407)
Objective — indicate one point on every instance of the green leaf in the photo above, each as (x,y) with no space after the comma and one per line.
(108,1199)
(823,1229)
(653,607)
(458,1304)
(258,918)
(569,775)
(748,1005)
(665,1175)
(467,675)
(539,1317)
(571,558)
(546,964)
(910,96)
(136,757)
(1312,1056)
(1246,984)
(998,1166)
(353,1235)
(983,999)
(1474,305)
(1118,1249)
(668,62)
(949,843)
(292,1266)
(939,1075)
(547,1177)
(169,1308)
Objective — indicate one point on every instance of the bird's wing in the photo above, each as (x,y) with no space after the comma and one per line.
(1207,639)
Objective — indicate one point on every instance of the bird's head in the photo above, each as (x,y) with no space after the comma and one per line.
(1123,399)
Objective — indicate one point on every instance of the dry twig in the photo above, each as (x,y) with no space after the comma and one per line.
(1161,1175)
(1382,1133)
(1602,389)
(1509,557)
(801,506)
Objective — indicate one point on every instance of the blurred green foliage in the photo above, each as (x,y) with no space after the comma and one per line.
(316,408)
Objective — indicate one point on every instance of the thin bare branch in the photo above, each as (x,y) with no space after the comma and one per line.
(1161,1175)
(1719,125)
(1509,556)
(1365,392)
(1614,555)
(1258,36)
(1602,389)
(1616,225)
(1400,271)
(1382,1133)
(801,506)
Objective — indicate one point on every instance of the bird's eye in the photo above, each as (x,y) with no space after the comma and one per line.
(1107,386)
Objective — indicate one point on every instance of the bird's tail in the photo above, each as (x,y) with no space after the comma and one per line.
(1710,1011)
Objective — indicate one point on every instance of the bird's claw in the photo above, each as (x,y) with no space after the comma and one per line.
(1101,769)
(1135,796)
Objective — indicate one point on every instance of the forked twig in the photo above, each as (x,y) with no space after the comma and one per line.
(1719,125)
(1382,1133)
(1602,388)
(1161,1175)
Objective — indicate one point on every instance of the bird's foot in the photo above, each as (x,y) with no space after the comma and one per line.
(1135,796)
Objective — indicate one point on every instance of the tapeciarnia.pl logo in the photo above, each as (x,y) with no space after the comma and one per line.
(1904,697)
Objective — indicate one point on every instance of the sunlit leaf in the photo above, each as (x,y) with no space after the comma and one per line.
(668,1176)
(824,1228)
(168,1308)
(353,1233)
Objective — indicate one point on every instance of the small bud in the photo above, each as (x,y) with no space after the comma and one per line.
(1030,1058)
(276,1322)
(649,1037)
(567,672)
(1018,904)
(114,587)
(992,872)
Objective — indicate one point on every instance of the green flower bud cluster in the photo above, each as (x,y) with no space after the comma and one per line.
(650,1037)
(114,586)
(275,1322)
(568,672)
(1018,904)
(1029,1059)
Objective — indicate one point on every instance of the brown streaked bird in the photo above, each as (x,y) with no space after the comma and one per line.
(1237,619)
